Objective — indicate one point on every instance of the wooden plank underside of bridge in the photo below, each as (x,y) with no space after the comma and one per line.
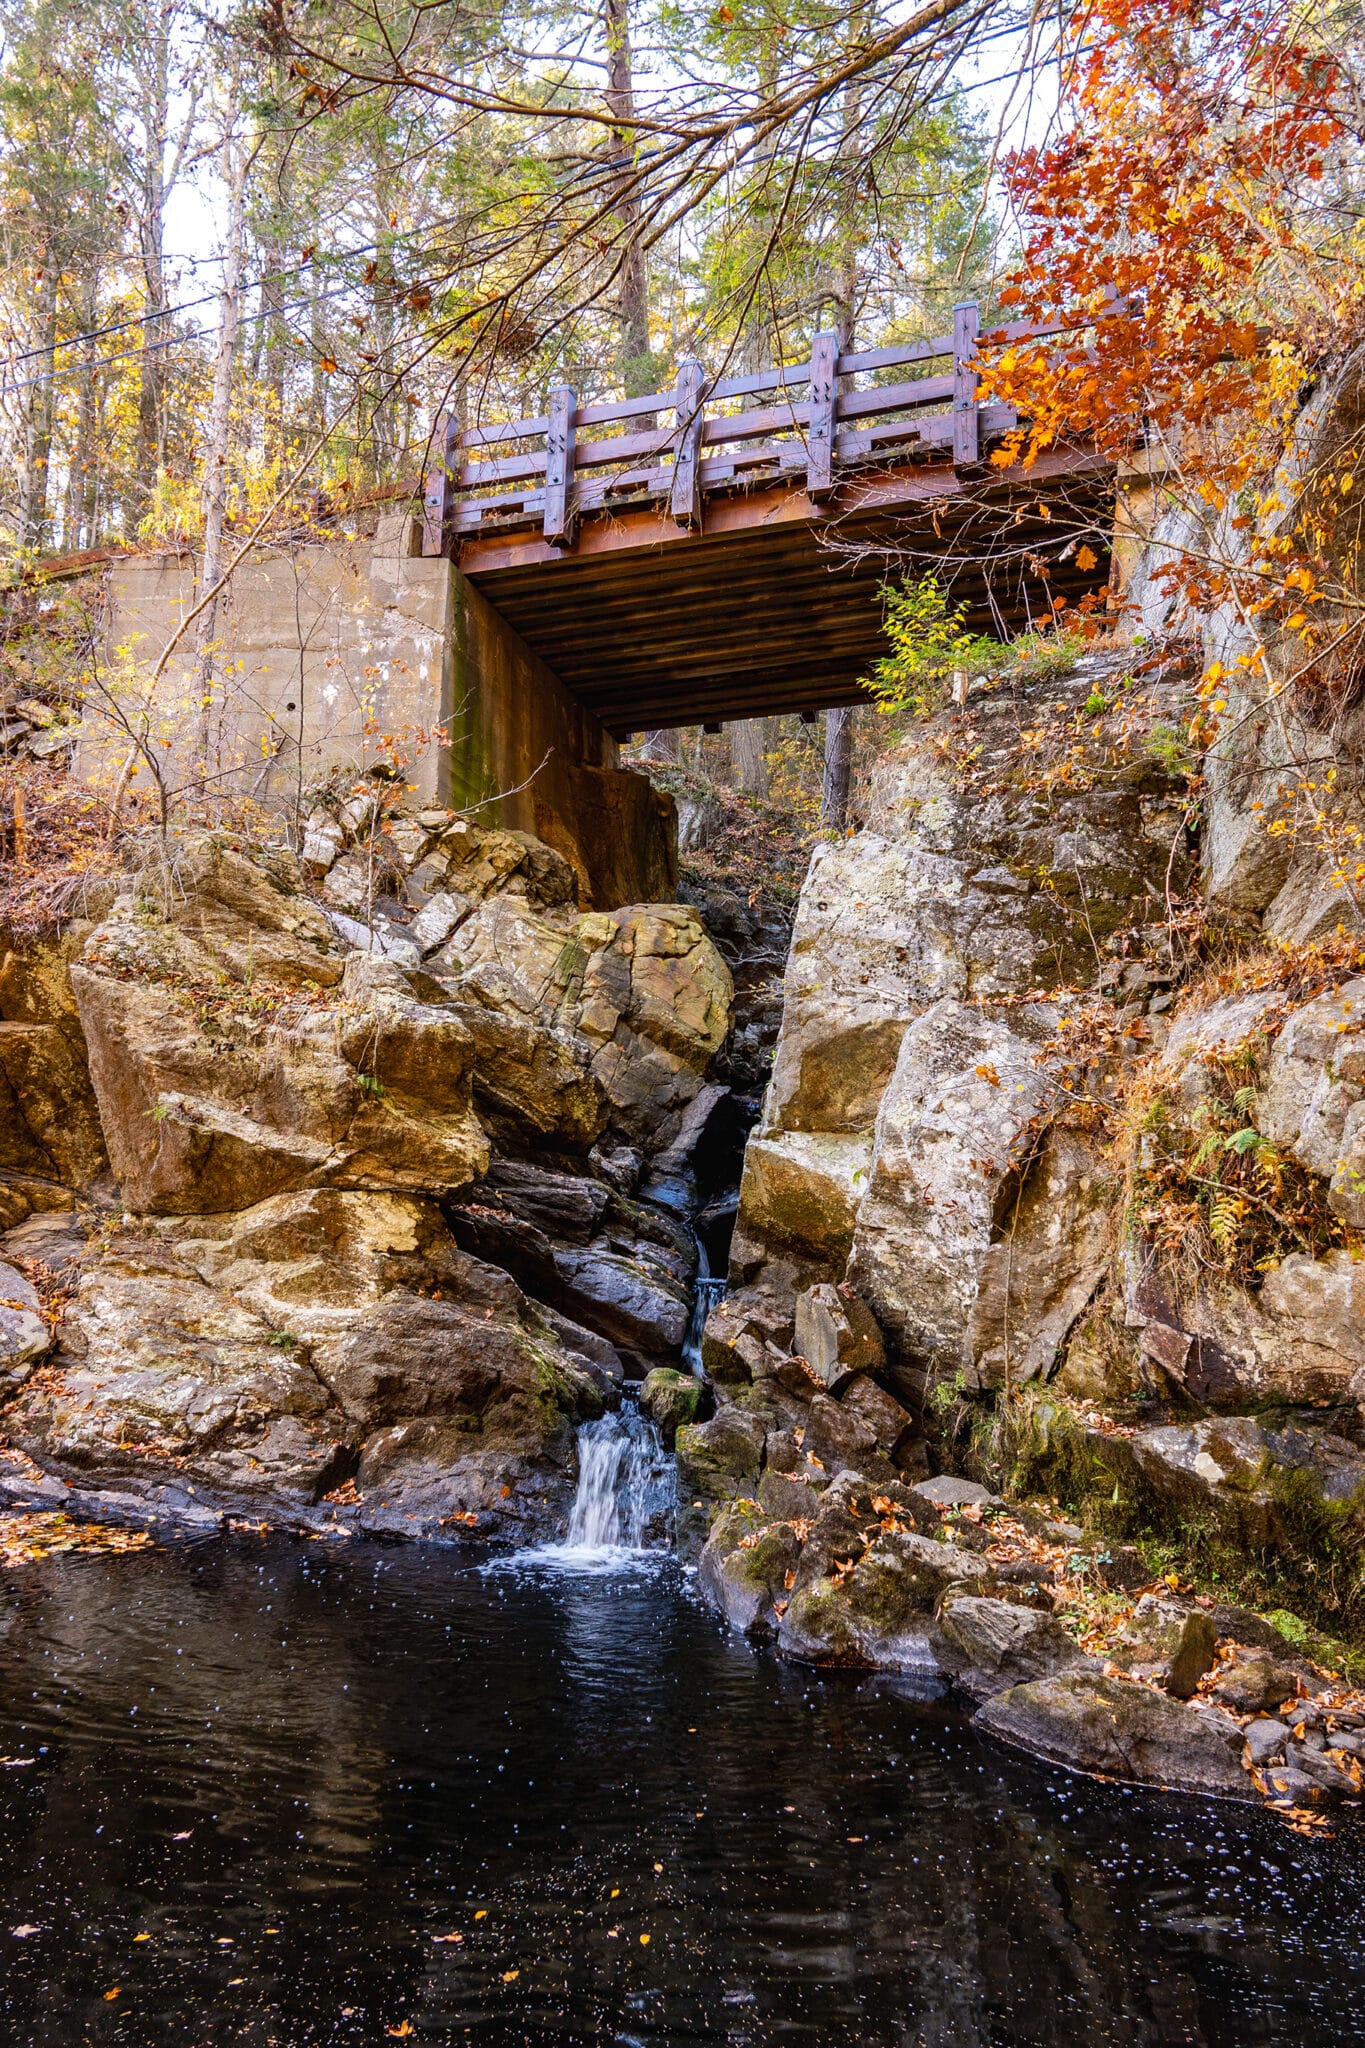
(773,604)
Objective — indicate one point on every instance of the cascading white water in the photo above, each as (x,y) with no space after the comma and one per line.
(708,1289)
(623,1479)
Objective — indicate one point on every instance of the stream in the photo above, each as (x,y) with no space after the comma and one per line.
(280,1793)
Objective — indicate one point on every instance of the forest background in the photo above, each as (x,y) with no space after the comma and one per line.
(454,204)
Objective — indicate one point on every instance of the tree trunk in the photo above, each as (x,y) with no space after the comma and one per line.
(838,777)
(637,369)
(82,459)
(748,754)
(33,483)
(218,432)
(151,396)
(665,745)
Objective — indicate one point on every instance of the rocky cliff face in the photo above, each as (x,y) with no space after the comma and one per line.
(282,1135)
(1057,1188)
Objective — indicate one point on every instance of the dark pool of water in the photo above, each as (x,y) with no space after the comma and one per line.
(267,1779)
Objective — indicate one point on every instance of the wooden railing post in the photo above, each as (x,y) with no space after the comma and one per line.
(559,444)
(966,419)
(688,419)
(824,391)
(438,501)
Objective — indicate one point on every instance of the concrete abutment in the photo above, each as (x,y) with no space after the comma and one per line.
(337,657)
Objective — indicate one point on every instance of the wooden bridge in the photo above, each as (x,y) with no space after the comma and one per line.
(716,551)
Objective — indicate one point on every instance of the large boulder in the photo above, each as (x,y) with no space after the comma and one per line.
(643,989)
(1117,1729)
(266,1356)
(1050,1253)
(1297,1343)
(990,1645)
(216,1092)
(1236,1468)
(1314,1103)
(49,1118)
(746,1565)
(877,1609)
(801,1191)
(953,1134)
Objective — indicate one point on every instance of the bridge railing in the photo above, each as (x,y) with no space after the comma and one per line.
(715,437)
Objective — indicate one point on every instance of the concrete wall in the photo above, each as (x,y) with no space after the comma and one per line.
(341,656)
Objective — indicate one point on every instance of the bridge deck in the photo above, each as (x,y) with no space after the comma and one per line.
(669,585)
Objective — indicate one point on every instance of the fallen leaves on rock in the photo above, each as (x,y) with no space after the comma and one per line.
(25,1539)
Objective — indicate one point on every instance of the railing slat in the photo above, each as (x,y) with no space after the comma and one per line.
(559,446)
(892,358)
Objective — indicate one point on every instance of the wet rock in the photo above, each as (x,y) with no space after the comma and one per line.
(718,1460)
(745,1566)
(1287,1785)
(627,1301)
(1265,1738)
(845,1441)
(1170,1642)
(837,1335)
(569,1207)
(670,1399)
(993,1644)
(875,1607)
(673,1169)
(1310,1776)
(1117,1729)
(1256,1685)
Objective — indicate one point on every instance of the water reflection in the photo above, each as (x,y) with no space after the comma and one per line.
(299,1770)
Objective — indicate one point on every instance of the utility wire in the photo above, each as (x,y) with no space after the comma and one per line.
(171,341)
(274,277)
(208,298)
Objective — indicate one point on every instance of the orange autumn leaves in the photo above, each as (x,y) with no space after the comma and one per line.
(1183,191)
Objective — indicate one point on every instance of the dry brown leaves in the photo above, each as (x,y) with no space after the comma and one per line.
(26,1539)
(54,846)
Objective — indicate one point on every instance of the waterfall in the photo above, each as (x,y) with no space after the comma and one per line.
(708,1289)
(624,1479)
